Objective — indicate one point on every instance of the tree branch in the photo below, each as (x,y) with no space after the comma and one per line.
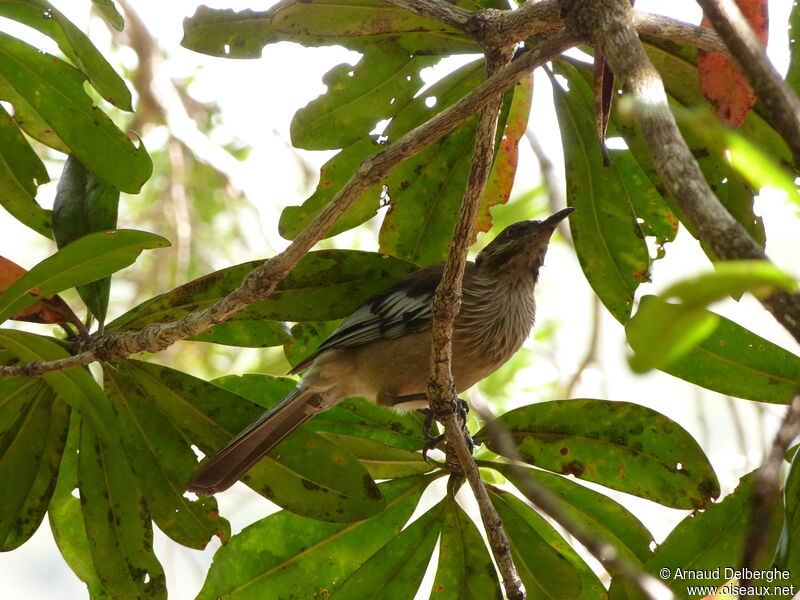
(767,489)
(441,390)
(262,281)
(610,25)
(500,28)
(782,106)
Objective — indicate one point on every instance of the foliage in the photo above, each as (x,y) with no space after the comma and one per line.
(127,444)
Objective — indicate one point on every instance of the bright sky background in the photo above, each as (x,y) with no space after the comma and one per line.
(259,114)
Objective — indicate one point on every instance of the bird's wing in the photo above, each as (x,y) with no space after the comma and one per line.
(403,308)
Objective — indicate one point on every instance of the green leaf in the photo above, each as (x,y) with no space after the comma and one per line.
(704,542)
(66,519)
(117,522)
(88,259)
(658,220)
(29,120)
(333,175)
(55,91)
(465,570)
(382,461)
(426,190)
(787,555)
(620,445)
(383,82)
(305,473)
(85,204)
(74,386)
(662,332)
(361,418)
(44,17)
(285,556)
(608,240)
(33,430)
(544,568)
(396,570)
(163,461)
(596,513)
(110,13)
(21,172)
(327,284)
(306,338)
(247,334)
(793,74)
(354,24)
(731,278)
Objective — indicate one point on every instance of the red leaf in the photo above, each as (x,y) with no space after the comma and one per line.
(504,169)
(51,309)
(721,81)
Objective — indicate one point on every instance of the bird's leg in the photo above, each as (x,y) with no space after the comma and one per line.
(434,441)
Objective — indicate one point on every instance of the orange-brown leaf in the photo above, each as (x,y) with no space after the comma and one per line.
(51,309)
(722,82)
(504,169)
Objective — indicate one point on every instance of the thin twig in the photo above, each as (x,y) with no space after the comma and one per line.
(767,490)
(610,25)
(781,104)
(591,352)
(262,281)
(441,388)
(549,504)
(555,193)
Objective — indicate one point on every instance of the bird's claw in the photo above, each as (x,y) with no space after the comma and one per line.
(434,441)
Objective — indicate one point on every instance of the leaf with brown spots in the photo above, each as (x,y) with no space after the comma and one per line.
(620,445)
(722,82)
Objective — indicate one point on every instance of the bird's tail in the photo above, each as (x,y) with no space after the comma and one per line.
(223,469)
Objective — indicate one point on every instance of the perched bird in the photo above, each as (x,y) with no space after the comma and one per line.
(382,351)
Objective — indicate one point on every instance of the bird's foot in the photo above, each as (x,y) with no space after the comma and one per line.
(434,441)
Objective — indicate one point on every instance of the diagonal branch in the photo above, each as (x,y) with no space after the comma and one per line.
(501,28)
(549,504)
(262,281)
(441,388)
(767,490)
(783,106)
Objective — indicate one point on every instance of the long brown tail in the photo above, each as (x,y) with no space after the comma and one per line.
(223,469)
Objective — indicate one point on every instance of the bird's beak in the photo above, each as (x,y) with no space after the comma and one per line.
(553,220)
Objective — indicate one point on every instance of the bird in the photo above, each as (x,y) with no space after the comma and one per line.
(381,352)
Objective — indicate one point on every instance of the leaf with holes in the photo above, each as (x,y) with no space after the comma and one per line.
(620,445)
(163,461)
(376,88)
(118,526)
(354,24)
(75,45)
(55,91)
(706,542)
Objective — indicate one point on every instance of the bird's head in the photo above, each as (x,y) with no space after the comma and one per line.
(520,248)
